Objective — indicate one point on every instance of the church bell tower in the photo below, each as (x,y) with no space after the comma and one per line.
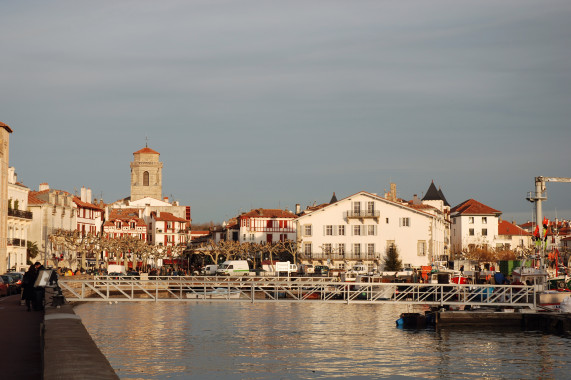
(146,175)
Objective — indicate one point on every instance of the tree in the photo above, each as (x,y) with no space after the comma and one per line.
(32,251)
(392,261)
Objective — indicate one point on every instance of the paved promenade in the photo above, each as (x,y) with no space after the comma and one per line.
(63,350)
(21,340)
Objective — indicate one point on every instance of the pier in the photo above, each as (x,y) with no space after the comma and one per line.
(294,289)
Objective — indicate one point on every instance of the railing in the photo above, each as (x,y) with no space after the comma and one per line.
(362,214)
(20,214)
(16,242)
(295,289)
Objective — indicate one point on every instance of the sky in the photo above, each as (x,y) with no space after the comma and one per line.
(269,104)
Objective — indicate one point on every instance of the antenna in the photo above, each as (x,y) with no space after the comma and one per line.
(146,141)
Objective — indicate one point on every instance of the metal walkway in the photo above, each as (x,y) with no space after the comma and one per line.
(295,289)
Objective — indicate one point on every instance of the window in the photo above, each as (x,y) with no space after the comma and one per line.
(341,230)
(471,220)
(327,248)
(484,220)
(421,248)
(329,230)
(484,232)
(387,220)
(371,208)
(405,222)
(356,230)
(357,207)
(307,249)
(371,249)
(307,230)
(357,250)
(341,248)
(471,232)
(372,230)
(145,178)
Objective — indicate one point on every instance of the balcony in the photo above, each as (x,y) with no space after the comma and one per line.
(343,256)
(20,214)
(16,242)
(362,214)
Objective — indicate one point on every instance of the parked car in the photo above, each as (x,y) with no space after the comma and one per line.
(3,288)
(134,275)
(12,286)
(18,277)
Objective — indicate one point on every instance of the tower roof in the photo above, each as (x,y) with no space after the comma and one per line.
(6,127)
(434,195)
(333,198)
(146,150)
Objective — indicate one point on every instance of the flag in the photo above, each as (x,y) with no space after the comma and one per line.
(536,232)
(545,222)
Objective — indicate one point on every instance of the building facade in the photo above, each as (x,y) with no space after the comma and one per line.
(473,225)
(359,229)
(5,132)
(19,222)
(266,226)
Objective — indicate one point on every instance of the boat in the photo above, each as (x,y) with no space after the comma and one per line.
(223,293)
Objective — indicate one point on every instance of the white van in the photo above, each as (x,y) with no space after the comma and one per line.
(234,268)
(210,270)
(114,268)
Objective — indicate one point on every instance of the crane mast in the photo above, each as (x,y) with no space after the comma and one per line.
(539,196)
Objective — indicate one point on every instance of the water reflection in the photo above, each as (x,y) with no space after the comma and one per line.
(307,341)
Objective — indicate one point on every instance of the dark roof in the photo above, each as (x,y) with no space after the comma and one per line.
(434,195)
(333,198)
(443,198)
(431,193)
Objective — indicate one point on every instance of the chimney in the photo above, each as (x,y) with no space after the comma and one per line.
(83,196)
(393,192)
(44,186)
(166,199)
(88,195)
(297,208)
(415,200)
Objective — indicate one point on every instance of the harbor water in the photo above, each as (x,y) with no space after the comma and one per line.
(240,340)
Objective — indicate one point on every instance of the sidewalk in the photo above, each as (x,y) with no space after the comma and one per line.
(21,349)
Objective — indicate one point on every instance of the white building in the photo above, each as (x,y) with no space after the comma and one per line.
(361,227)
(474,225)
(19,221)
(512,237)
(266,226)
(89,216)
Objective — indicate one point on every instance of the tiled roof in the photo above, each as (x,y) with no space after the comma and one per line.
(510,229)
(6,127)
(124,213)
(91,206)
(168,217)
(146,150)
(33,198)
(473,207)
(267,213)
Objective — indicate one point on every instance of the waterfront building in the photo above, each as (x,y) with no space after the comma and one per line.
(5,132)
(19,221)
(474,225)
(361,228)
(265,226)
(512,237)
(54,210)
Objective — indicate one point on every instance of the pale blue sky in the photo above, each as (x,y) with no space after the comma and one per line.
(272,103)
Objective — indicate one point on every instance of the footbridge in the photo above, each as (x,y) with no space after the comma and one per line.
(294,289)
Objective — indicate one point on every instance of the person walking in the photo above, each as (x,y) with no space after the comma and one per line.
(28,283)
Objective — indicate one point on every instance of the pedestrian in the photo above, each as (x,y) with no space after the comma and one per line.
(28,283)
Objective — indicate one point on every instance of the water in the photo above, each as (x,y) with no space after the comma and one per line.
(240,340)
